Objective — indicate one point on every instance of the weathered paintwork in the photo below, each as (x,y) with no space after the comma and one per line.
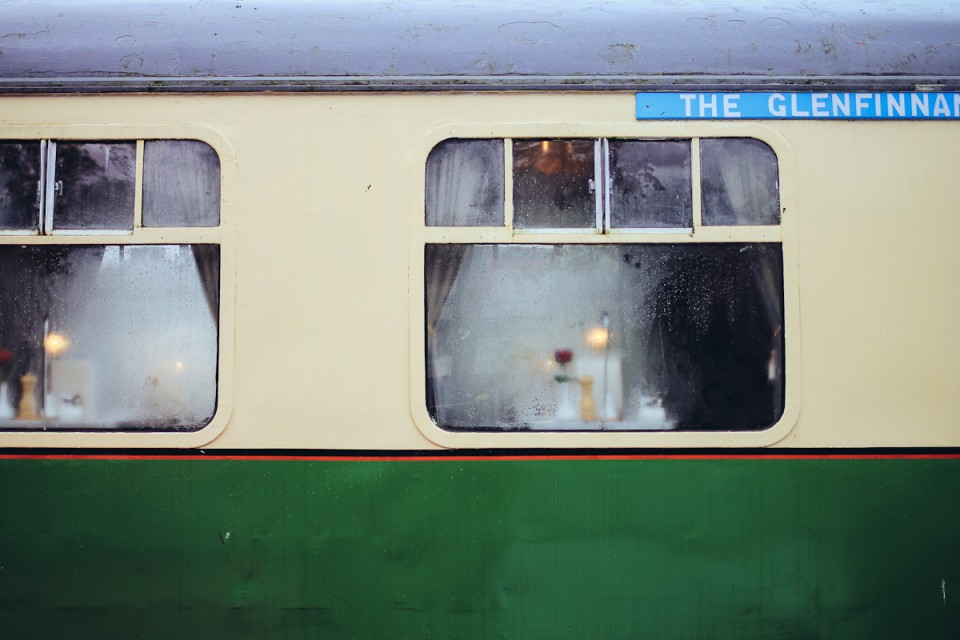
(552,548)
(375,44)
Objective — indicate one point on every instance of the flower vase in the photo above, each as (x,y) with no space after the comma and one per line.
(566,409)
(6,409)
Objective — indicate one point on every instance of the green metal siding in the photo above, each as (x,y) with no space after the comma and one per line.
(692,549)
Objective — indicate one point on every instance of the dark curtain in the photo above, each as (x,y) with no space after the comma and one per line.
(207,257)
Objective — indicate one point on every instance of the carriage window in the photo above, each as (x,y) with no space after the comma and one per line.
(181,184)
(19,185)
(650,184)
(740,183)
(101,335)
(554,184)
(93,185)
(628,334)
(113,336)
(465,184)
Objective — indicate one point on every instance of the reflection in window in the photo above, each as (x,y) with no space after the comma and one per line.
(465,185)
(181,184)
(553,184)
(740,183)
(650,184)
(94,185)
(119,337)
(19,185)
(614,337)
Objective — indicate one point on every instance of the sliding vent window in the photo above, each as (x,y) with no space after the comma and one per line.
(50,186)
(103,327)
(554,185)
(93,186)
(650,184)
(465,184)
(20,186)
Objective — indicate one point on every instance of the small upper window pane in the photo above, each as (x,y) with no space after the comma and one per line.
(95,185)
(553,184)
(181,184)
(465,184)
(650,184)
(19,185)
(740,182)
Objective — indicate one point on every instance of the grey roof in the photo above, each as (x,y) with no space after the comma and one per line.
(118,45)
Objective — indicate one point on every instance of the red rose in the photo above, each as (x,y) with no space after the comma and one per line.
(563,356)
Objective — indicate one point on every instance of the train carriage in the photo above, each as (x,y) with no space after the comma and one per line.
(479,320)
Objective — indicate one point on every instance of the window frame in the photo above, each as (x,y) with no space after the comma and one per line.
(222,235)
(784,234)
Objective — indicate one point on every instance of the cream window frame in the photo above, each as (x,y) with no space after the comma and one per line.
(784,234)
(222,235)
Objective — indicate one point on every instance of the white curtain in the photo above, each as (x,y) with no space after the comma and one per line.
(745,172)
(465,184)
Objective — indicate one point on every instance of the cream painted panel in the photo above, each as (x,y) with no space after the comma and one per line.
(323,201)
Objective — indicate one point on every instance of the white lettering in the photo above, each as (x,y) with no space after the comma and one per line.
(781,108)
(841,104)
(795,109)
(862,103)
(731,105)
(940,106)
(895,104)
(688,99)
(919,104)
(705,105)
(956,105)
(819,105)
(876,105)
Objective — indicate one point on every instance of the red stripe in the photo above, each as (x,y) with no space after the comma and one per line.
(491,458)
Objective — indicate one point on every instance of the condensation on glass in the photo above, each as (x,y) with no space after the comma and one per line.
(19,185)
(740,182)
(624,335)
(465,184)
(108,336)
(94,184)
(181,184)
(650,184)
(120,337)
(657,336)
(554,184)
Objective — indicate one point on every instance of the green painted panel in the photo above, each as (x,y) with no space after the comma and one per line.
(487,549)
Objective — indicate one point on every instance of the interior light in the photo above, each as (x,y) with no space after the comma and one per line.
(597,338)
(55,343)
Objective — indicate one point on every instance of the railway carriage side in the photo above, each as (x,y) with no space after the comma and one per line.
(589,354)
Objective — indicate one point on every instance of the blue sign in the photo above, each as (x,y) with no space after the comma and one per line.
(787,105)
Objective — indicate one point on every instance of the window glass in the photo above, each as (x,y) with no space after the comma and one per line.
(181,184)
(110,337)
(740,182)
(465,186)
(19,185)
(95,185)
(604,337)
(553,184)
(650,184)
